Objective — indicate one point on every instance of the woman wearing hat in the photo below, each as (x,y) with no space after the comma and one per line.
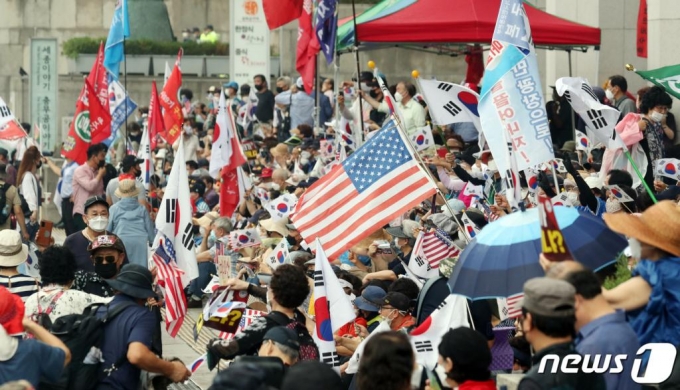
(652,296)
(12,254)
(131,222)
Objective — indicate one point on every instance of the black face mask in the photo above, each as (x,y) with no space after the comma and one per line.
(279,89)
(106,270)
(101,164)
(259,87)
(373,94)
(138,173)
(290,239)
(39,164)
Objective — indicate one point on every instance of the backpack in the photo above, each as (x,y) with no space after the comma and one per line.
(83,335)
(5,209)
(308,348)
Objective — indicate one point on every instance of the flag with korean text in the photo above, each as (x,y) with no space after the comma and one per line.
(244,238)
(174,217)
(173,117)
(599,118)
(422,138)
(326,27)
(155,123)
(425,339)
(282,206)
(512,96)
(100,118)
(667,167)
(278,255)
(376,184)
(99,78)
(450,103)
(332,308)
(144,153)
(115,43)
(619,193)
(582,141)
(170,280)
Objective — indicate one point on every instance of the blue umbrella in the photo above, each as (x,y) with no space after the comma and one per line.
(504,254)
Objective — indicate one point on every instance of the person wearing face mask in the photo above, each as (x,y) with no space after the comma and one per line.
(614,205)
(131,222)
(353,113)
(465,357)
(652,295)
(130,169)
(412,112)
(108,254)
(616,92)
(96,217)
(190,141)
(217,232)
(265,99)
(87,182)
(589,190)
(29,187)
(394,309)
(654,106)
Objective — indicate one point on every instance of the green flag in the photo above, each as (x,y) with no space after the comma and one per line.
(667,78)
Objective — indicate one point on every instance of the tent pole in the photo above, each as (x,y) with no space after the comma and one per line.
(569,55)
(356,53)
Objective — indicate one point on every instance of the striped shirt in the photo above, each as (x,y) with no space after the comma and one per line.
(21,285)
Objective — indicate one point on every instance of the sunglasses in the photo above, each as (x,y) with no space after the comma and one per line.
(105,259)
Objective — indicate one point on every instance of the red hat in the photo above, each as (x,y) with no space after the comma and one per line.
(266,173)
(11,312)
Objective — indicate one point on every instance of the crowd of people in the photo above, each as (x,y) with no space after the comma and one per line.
(109,218)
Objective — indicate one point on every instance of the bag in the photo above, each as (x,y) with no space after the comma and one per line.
(43,318)
(5,209)
(83,335)
(308,348)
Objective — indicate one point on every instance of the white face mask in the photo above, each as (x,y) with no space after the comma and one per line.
(398,97)
(276,187)
(613,206)
(609,94)
(98,224)
(187,129)
(396,243)
(572,197)
(365,88)
(656,116)
(517,372)
(635,248)
(388,319)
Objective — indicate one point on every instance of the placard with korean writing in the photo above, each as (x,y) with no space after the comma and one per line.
(43,84)
(249,41)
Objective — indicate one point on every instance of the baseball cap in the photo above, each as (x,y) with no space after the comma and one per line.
(283,336)
(266,173)
(366,76)
(371,299)
(130,161)
(106,241)
(93,200)
(198,187)
(549,297)
(232,84)
(397,300)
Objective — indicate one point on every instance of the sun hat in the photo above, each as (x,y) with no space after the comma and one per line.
(456,204)
(106,241)
(127,189)
(658,226)
(549,297)
(12,251)
(278,226)
(594,182)
(11,312)
(370,299)
(133,280)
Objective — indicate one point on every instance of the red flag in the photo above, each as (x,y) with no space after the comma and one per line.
(280,12)
(642,30)
(155,124)
(229,190)
(173,118)
(11,131)
(475,66)
(100,118)
(307,47)
(552,240)
(78,139)
(99,79)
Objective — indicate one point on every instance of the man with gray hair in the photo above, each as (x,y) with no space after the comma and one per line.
(216,234)
(282,343)
(279,177)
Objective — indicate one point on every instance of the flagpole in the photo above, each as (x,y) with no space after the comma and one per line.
(356,56)
(637,171)
(126,100)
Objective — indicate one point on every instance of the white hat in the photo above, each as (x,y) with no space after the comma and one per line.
(12,251)
(278,226)
(333,124)
(594,182)
(299,83)
(491,165)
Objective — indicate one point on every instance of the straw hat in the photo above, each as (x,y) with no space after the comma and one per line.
(127,189)
(278,226)
(658,226)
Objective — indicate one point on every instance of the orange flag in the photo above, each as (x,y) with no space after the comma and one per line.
(173,118)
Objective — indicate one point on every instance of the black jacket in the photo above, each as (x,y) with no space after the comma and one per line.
(559,380)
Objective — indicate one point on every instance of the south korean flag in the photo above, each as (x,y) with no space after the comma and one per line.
(422,138)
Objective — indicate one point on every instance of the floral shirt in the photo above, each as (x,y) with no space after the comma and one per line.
(70,302)
(91,283)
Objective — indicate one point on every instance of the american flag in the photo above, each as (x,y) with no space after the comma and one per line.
(376,184)
(246,319)
(170,279)
(510,307)
(437,246)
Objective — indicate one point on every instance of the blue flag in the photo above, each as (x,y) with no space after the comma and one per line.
(120,106)
(512,107)
(120,29)
(327,27)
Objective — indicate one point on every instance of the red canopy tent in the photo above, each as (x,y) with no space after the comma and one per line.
(438,22)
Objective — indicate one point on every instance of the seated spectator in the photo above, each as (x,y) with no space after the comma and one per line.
(395,310)
(282,343)
(465,356)
(197,192)
(211,197)
(41,358)
(13,253)
(57,272)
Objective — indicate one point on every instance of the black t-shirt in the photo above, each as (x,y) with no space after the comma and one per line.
(265,106)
